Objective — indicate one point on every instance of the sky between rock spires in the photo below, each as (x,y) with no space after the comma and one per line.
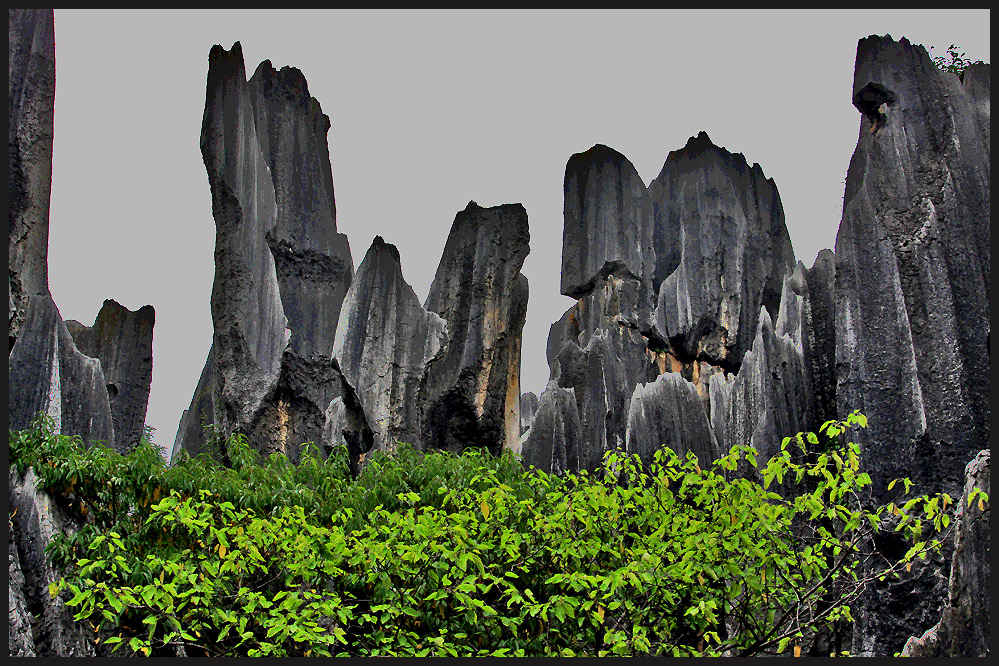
(430,110)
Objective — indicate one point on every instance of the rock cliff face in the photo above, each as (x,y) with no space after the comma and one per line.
(122,341)
(281,268)
(470,392)
(912,291)
(39,624)
(47,372)
(676,279)
(963,629)
(722,250)
(384,341)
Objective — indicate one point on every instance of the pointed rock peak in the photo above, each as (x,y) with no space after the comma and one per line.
(288,82)
(825,256)
(378,245)
(701,145)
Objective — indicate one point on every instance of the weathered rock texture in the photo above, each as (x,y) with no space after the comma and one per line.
(528,408)
(470,393)
(30,103)
(668,412)
(52,632)
(771,396)
(383,343)
(722,250)
(963,629)
(673,280)
(122,341)
(605,229)
(281,268)
(912,294)
(313,261)
(46,372)
(552,442)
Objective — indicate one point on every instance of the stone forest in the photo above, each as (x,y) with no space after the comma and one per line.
(695,330)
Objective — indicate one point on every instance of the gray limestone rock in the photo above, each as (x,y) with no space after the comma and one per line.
(603,355)
(19,637)
(48,375)
(668,413)
(250,326)
(770,398)
(37,519)
(964,629)
(281,269)
(605,229)
(122,341)
(722,249)
(528,408)
(30,101)
(821,279)
(313,261)
(551,443)
(470,392)
(384,341)
(912,282)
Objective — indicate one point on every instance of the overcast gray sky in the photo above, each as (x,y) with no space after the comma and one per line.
(431,109)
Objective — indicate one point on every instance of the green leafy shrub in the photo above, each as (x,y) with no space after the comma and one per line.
(955,61)
(438,554)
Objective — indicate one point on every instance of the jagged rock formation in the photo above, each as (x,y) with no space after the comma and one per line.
(912,293)
(668,412)
(470,393)
(122,341)
(555,432)
(722,250)
(47,373)
(30,101)
(384,341)
(707,252)
(771,396)
(281,268)
(821,280)
(312,260)
(963,629)
(605,229)
(528,408)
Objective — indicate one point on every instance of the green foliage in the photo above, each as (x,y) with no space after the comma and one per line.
(955,61)
(438,554)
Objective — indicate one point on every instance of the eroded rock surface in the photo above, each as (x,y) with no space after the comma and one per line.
(528,408)
(31,103)
(281,268)
(470,395)
(313,261)
(668,412)
(964,628)
(122,341)
(46,373)
(912,281)
(551,444)
(722,250)
(37,519)
(383,344)
(605,228)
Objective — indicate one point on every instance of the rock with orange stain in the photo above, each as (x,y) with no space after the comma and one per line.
(470,392)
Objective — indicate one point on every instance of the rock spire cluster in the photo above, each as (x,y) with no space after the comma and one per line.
(694,325)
